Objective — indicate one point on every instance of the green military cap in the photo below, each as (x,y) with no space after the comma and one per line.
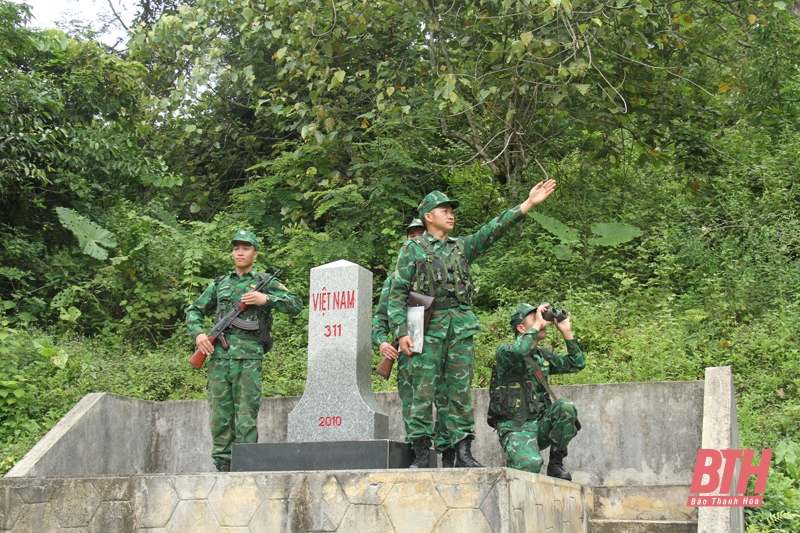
(416,223)
(435,199)
(245,236)
(520,313)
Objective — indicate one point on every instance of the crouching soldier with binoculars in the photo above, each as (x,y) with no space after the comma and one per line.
(522,407)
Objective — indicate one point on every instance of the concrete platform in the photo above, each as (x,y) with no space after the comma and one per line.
(637,450)
(481,500)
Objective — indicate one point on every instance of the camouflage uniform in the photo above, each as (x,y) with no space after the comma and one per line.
(448,356)
(380,334)
(546,422)
(234,375)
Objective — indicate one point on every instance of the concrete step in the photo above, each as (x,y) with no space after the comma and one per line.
(599,525)
(643,502)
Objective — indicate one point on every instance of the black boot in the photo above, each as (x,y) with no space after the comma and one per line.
(464,457)
(223,466)
(449,458)
(555,466)
(422,453)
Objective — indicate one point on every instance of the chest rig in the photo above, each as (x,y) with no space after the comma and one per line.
(255,322)
(443,275)
(513,398)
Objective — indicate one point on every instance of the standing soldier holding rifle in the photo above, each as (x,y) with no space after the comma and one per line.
(234,368)
(438,265)
(380,338)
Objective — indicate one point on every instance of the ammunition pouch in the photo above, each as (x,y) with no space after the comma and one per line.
(246,325)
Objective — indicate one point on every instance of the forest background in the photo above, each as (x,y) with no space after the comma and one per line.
(671,127)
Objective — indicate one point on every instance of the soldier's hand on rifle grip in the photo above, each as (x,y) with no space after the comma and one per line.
(387,350)
(405,344)
(204,343)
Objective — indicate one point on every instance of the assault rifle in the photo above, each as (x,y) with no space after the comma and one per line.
(218,331)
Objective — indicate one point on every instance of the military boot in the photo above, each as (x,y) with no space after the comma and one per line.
(555,466)
(449,458)
(222,465)
(422,453)
(464,457)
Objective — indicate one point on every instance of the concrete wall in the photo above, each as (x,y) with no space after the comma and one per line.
(497,500)
(633,434)
(720,432)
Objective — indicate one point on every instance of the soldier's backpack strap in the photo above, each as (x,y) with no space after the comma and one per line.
(537,371)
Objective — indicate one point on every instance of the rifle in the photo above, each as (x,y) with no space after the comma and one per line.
(384,368)
(218,331)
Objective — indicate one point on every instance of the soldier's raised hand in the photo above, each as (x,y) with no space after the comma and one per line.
(541,191)
(538,194)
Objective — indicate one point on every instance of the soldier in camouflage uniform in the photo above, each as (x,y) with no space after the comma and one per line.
(532,420)
(381,330)
(234,375)
(438,265)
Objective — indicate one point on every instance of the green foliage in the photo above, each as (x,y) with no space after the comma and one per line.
(320,126)
(614,233)
(90,235)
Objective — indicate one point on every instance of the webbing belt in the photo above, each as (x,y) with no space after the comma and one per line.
(446,303)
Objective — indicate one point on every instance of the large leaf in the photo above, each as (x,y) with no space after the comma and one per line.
(90,235)
(614,233)
(563,252)
(556,227)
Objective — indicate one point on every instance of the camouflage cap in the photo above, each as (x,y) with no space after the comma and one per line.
(245,236)
(416,223)
(520,313)
(435,199)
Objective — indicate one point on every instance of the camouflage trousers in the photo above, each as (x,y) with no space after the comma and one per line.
(405,390)
(234,395)
(442,375)
(522,444)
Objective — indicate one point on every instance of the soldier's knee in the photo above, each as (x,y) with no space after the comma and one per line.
(563,405)
(532,464)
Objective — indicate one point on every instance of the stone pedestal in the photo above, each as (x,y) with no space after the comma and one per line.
(307,456)
(338,404)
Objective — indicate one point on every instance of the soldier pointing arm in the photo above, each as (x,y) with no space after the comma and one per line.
(438,265)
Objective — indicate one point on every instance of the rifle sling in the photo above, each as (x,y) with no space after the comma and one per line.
(537,371)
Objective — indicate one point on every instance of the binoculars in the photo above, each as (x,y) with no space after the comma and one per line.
(552,313)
